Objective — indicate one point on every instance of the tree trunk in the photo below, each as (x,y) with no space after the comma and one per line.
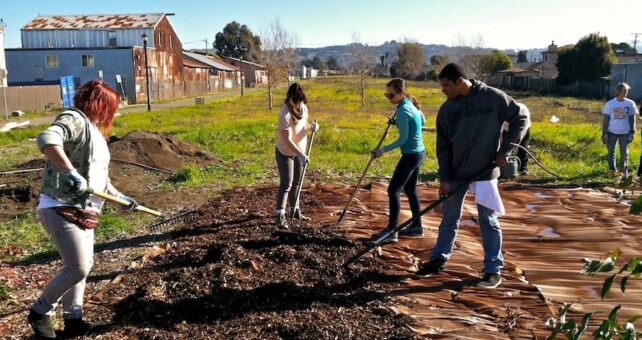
(363,92)
(270,96)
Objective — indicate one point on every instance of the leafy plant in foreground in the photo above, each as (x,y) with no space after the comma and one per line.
(609,327)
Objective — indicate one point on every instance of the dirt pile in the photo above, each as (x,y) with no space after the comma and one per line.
(233,274)
(156,150)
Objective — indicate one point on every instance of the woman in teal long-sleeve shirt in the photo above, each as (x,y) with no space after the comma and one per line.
(409,121)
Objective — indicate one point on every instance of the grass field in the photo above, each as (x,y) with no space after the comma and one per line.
(241,131)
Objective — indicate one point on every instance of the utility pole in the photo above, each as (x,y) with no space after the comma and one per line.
(206,46)
(635,41)
(144,36)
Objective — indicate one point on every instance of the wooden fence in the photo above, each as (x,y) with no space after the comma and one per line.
(30,98)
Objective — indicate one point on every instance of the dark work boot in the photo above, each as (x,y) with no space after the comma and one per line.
(280,221)
(299,216)
(77,327)
(432,267)
(41,325)
(412,230)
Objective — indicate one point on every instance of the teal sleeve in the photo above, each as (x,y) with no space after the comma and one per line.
(403,125)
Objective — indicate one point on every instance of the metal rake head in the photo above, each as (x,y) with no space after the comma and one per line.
(183,217)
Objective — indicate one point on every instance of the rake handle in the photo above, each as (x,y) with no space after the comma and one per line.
(305,167)
(383,137)
(121,201)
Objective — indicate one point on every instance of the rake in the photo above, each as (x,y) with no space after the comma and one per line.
(305,167)
(372,158)
(432,206)
(186,216)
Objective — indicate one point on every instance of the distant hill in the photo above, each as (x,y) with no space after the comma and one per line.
(342,52)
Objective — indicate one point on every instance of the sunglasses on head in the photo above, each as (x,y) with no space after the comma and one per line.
(389,95)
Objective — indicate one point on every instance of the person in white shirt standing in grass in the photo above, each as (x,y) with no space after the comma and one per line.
(618,127)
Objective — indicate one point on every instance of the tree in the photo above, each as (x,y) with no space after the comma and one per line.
(437,62)
(589,60)
(410,61)
(362,63)
(491,63)
(522,56)
(333,64)
(237,41)
(623,49)
(467,52)
(277,46)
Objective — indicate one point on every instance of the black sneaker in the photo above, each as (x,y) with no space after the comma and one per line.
(432,267)
(299,216)
(280,221)
(41,325)
(490,280)
(392,238)
(77,327)
(412,231)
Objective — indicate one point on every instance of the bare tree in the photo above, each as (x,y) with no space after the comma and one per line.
(277,44)
(468,51)
(363,60)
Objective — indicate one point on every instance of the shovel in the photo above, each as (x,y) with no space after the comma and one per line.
(305,167)
(383,137)
(432,206)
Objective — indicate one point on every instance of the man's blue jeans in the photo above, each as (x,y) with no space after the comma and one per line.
(623,141)
(490,231)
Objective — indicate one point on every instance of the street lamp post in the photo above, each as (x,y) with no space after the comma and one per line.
(241,67)
(144,36)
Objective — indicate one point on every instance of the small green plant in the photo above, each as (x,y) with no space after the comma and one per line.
(609,327)
(190,173)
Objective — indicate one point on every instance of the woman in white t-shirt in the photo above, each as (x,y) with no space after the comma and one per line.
(291,144)
(619,128)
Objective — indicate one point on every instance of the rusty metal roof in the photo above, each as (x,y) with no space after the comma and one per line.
(210,62)
(104,21)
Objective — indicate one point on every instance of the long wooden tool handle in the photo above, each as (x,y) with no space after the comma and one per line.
(305,167)
(115,199)
(383,137)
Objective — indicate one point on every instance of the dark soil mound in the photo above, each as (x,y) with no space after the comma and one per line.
(233,274)
(156,150)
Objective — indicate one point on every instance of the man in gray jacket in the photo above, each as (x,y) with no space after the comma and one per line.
(468,144)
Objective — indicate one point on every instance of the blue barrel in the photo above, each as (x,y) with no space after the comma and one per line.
(67,91)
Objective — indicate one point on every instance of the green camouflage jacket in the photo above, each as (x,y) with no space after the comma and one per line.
(71,131)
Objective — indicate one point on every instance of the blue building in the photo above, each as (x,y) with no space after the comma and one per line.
(101,46)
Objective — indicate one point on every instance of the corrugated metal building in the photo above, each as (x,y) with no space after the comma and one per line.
(630,73)
(220,75)
(88,46)
(253,73)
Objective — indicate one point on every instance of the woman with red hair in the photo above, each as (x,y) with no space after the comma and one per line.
(77,158)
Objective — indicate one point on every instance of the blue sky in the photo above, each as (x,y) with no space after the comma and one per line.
(516,24)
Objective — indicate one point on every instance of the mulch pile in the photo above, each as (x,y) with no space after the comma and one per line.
(20,191)
(156,150)
(233,274)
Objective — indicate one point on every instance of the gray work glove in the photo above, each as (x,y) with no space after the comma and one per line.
(605,138)
(315,127)
(303,159)
(78,183)
(377,153)
(132,202)
(631,136)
